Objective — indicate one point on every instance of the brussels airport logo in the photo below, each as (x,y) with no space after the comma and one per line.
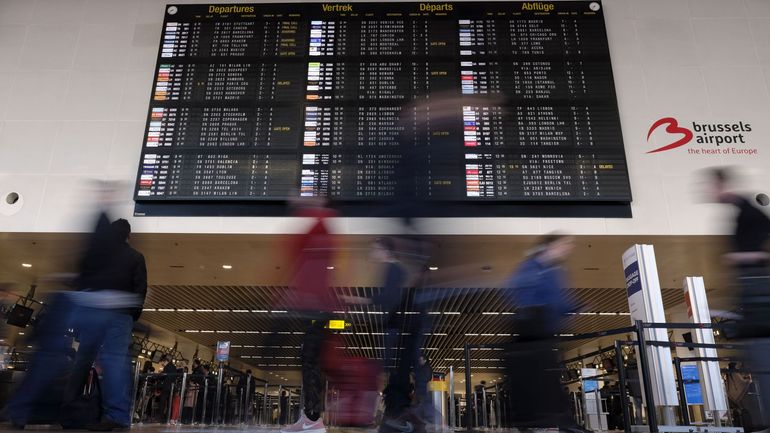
(713,138)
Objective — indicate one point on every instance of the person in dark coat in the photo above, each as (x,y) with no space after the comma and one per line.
(112,285)
(536,289)
(750,261)
(423,374)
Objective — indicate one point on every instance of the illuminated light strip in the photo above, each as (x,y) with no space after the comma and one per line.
(452,313)
(221,311)
(240,311)
(165,310)
(278,311)
(149,309)
(491,313)
(185,310)
(259,311)
(203,311)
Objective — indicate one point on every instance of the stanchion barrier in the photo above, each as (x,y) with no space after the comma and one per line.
(644,367)
(134,390)
(218,399)
(682,398)
(143,402)
(483,411)
(246,400)
(265,415)
(497,407)
(182,395)
(170,407)
(643,364)
(624,403)
(452,420)
(468,389)
(205,399)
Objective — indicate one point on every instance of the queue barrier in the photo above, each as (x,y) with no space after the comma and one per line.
(643,364)
(197,399)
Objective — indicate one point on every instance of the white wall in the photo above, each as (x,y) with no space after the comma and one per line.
(75,78)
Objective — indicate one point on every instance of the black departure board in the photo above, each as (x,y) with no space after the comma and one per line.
(438,102)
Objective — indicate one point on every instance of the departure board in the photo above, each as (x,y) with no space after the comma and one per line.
(437,102)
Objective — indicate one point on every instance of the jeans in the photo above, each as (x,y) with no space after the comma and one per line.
(105,334)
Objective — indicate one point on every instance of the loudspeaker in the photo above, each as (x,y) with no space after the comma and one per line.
(19,316)
(687,336)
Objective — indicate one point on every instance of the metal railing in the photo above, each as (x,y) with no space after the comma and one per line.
(472,412)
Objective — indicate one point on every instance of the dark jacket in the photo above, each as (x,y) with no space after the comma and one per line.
(109,263)
(422,375)
(169,372)
(752,227)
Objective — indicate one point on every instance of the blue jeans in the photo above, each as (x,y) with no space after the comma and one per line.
(104,334)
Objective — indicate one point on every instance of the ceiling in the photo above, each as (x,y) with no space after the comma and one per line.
(239,304)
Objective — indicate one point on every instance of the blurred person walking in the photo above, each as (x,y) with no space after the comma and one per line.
(537,289)
(403,340)
(750,262)
(50,362)
(112,286)
(312,299)
(423,375)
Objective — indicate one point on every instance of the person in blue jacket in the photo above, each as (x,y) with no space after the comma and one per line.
(537,290)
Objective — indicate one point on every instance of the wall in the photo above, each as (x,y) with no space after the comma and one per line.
(75,80)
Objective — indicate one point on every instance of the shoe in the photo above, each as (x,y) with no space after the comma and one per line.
(304,425)
(393,425)
(107,425)
(408,422)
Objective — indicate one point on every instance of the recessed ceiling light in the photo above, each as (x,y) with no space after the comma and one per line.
(330,268)
(227,266)
(21,333)
(26,265)
(433,268)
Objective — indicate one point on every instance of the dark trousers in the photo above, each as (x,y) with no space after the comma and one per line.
(312,344)
(754,329)
(399,387)
(536,398)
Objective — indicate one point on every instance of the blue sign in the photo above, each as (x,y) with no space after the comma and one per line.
(633,282)
(691,380)
(223,351)
(590,385)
